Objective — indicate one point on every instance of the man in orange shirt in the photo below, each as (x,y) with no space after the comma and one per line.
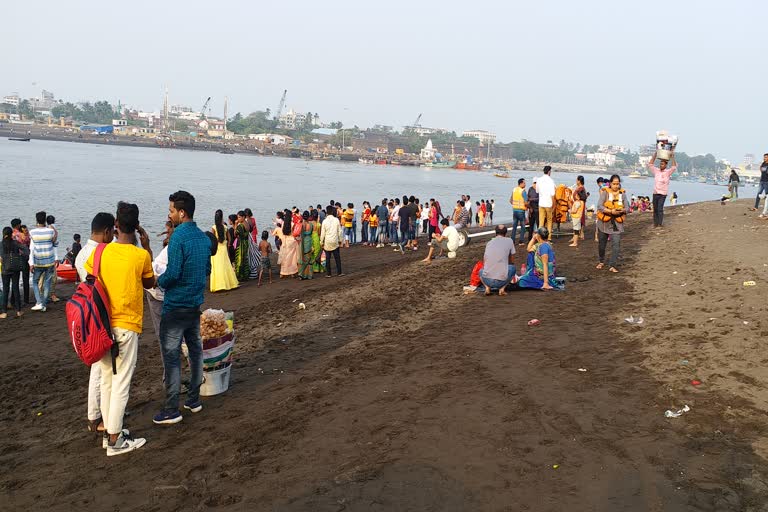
(125,271)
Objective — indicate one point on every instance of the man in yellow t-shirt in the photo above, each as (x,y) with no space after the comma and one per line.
(125,271)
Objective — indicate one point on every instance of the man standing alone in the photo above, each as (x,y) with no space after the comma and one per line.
(42,260)
(189,265)
(661,176)
(546,187)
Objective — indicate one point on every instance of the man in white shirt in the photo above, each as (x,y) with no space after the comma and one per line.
(330,239)
(102,232)
(546,189)
(447,241)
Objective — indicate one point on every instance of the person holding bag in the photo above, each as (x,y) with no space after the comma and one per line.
(12,261)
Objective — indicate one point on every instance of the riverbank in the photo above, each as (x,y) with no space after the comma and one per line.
(395,391)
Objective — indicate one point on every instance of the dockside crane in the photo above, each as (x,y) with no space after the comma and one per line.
(279,111)
(416,122)
(205,106)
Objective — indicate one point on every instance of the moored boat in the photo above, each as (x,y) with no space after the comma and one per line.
(66,272)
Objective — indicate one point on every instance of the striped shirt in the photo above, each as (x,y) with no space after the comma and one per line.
(41,250)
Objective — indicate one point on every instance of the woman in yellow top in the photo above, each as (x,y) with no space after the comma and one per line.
(222,274)
(373,224)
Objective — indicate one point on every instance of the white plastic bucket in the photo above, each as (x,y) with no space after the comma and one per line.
(215,382)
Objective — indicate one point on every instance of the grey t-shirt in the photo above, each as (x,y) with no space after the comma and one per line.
(496,259)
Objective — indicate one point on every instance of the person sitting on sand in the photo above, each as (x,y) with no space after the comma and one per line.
(541,272)
(498,262)
(447,240)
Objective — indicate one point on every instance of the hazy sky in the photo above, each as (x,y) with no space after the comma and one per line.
(586,71)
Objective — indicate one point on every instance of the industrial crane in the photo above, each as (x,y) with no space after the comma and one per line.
(281,105)
(205,106)
(416,122)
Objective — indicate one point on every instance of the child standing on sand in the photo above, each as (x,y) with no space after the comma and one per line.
(265,248)
(577,212)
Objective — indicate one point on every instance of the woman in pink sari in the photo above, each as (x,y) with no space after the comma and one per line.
(288,259)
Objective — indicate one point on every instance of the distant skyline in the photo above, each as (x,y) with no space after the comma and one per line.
(591,71)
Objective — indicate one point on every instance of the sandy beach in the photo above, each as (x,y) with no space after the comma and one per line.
(393,390)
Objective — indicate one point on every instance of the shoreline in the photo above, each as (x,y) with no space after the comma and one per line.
(393,387)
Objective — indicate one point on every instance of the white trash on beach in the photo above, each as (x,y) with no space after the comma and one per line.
(634,321)
(302,305)
(678,413)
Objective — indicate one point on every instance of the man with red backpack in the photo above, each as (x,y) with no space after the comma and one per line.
(125,270)
(102,232)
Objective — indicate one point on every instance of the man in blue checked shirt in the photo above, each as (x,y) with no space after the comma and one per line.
(184,281)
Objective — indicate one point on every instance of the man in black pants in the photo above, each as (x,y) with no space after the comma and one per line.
(533,210)
(763,188)
(661,176)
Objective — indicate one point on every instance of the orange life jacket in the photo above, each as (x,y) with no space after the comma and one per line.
(613,202)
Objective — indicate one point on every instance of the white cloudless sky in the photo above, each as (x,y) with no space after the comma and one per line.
(586,71)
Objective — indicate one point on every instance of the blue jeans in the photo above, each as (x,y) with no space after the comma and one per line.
(177,325)
(354,232)
(498,284)
(348,234)
(393,232)
(519,219)
(761,189)
(373,235)
(364,233)
(41,296)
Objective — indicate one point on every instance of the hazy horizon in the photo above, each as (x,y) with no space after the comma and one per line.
(593,72)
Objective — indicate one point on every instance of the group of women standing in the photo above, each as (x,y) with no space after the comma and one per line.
(298,236)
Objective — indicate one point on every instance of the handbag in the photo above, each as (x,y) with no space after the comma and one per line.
(13,261)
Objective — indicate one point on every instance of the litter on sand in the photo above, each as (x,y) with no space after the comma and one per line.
(302,305)
(555,466)
(750,283)
(582,369)
(696,382)
(533,322)
(635,321)
(678,413)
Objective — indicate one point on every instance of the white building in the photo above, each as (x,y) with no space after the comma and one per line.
(605,159)
(12,99)
(271,138)
(612,148)
(428,152)
(292,120)
(423,130)
(483,136)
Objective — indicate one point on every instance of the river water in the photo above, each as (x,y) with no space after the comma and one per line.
(75,181)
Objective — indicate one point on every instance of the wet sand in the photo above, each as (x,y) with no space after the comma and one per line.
(395,391)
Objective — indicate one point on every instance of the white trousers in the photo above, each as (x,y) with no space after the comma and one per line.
(94,392)
(115,388)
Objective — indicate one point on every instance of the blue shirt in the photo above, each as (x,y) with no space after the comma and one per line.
(189,264)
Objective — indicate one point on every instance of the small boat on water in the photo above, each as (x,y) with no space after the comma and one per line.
(636,174)
(66,272)
(501,174)
(380,161)
(367,161)
(19,139)
(440,165)
(467,166)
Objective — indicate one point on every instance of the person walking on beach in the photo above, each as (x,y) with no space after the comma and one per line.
(330,238)
(125,270)
(733,184)
(661,177)
(519,202)
(102,232)
(577,192)
(184,280)
(763,187)
(546,189)
(23,240)
(42,261)
(612,211)
(533,209)
(12,258)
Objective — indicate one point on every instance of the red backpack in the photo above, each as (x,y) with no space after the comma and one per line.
(88,318)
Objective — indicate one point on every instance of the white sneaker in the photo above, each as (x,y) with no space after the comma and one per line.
(37,307)
(105,438)
(124,444)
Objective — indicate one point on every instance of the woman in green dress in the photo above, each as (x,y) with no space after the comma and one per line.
(242,267)
(305,267)
(317,248)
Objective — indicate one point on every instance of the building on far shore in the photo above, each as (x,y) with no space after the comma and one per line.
(271,138)
(483,136)
(606,159)
(12,99)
